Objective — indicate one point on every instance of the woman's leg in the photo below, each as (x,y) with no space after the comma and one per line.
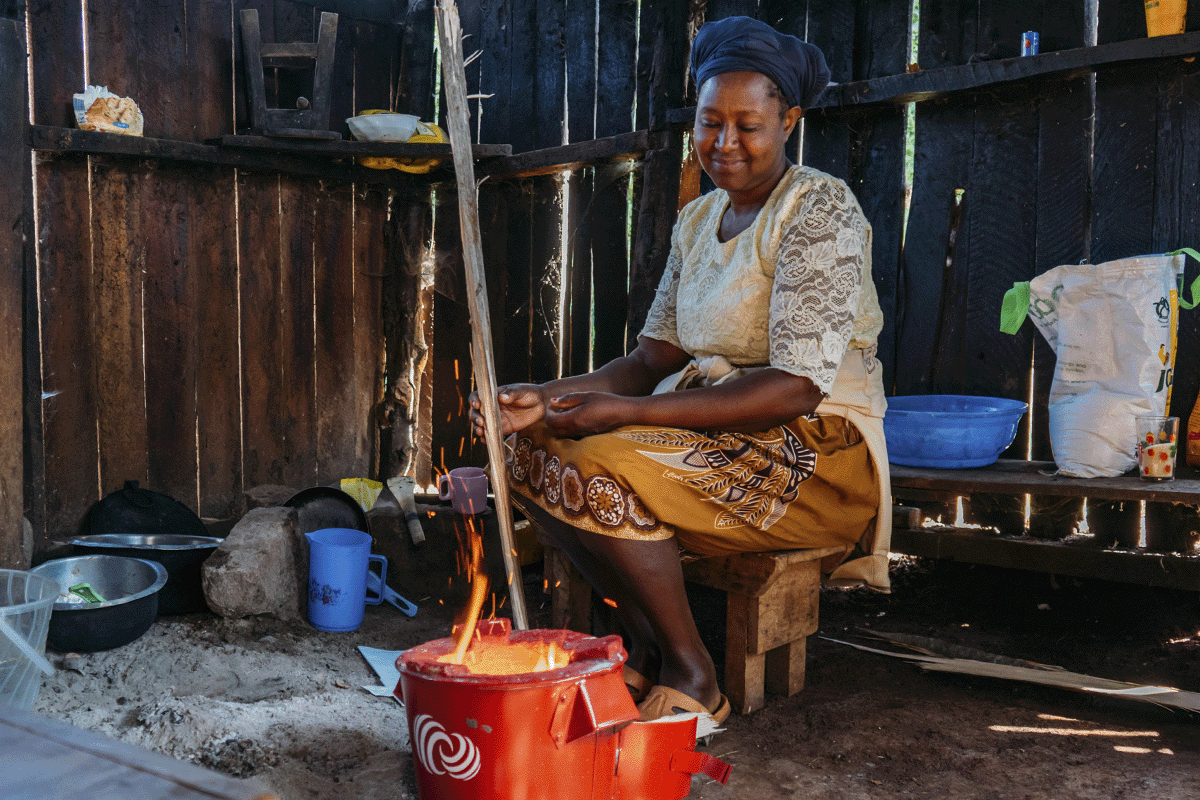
(652,577)
(643,645)
(645,580)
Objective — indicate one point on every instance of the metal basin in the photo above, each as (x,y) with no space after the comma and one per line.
(181,554)
(129,588)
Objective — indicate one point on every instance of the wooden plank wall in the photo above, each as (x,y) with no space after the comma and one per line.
(206,330)
(14,115)
(199,329)
(557,246)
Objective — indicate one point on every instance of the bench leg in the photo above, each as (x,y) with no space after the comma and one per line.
(785,668)
(744,671)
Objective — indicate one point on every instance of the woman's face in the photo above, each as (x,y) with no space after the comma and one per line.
(740,133)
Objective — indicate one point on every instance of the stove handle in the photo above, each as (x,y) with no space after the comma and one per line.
(690,762)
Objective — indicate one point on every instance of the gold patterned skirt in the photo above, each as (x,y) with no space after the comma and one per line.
(810,483)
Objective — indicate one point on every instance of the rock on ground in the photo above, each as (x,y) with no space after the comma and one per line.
(260,568)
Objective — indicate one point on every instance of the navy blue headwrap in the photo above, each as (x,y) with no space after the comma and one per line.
(743,44)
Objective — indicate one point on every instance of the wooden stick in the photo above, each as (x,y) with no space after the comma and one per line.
(454,81)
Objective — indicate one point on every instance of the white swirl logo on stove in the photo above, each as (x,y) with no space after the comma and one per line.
(444,753)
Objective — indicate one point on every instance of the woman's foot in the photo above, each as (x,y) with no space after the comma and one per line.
(663,701)
(637,683)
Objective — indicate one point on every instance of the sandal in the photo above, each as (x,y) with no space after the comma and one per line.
(663,701)
(638,683)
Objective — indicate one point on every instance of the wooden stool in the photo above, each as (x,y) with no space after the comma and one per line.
(311,116)
(772,601)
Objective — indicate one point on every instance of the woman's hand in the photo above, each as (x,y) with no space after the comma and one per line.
(585,413)
(521,405)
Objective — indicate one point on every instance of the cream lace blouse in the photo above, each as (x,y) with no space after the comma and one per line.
(792,291)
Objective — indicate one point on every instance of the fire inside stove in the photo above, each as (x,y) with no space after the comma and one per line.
(495,656)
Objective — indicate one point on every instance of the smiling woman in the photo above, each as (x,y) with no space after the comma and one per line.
(748,417)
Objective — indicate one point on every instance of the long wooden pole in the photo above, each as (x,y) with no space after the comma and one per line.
(454,81)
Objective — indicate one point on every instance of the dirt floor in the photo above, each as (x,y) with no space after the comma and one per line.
(282,702)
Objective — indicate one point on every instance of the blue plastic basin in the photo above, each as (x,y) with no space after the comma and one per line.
(950,431)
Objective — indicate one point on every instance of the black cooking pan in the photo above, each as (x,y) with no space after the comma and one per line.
(322,507)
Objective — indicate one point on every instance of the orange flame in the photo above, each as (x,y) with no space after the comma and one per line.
(479,587)
(490,657)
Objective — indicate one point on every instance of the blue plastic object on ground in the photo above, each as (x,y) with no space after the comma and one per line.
(338,560)
(949,431)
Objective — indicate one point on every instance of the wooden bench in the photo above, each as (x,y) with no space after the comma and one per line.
(772,603)
(1157,548)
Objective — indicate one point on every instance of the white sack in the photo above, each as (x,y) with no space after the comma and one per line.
(1112,328)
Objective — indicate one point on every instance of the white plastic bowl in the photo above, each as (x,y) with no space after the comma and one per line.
(388,127)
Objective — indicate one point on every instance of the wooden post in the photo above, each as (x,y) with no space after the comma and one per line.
(454,80)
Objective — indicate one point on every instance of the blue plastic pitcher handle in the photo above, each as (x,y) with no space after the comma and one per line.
(374,601)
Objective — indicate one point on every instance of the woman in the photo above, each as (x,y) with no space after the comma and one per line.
(748,416)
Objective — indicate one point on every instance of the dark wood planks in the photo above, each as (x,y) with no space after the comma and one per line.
(1001,214)
(407,323)
(451,341)
(337,424)
(517,331)
(831,28)
(545,354)
(497,37)
(581,52)
(1176,215)
(139,50)
(1121,20)
(663,24)
(616,72)
(881,38)
(414,65)
(949,30)
(56,65)
(209,46)
(371,268)
(169,350)
(1063,217)
(547,29)
(14,159)
(1123,176)
(577,277)
(68,311)
(610,261)
(263,332)
(212,255)
(944,142)
(296,413)
(118,268)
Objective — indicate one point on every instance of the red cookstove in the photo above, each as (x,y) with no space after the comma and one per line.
(564,733)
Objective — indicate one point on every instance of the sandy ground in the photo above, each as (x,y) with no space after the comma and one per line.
(282,702)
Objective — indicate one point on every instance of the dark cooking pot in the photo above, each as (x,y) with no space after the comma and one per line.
(181,555)
(129,588)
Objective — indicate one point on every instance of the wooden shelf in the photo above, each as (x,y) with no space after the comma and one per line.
(935,83)
(1080,557)
(331,160)
(1029,477)
(343,149)
(622,147)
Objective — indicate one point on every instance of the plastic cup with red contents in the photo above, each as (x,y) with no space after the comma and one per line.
(1158,441)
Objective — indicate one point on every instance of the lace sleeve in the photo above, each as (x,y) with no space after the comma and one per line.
(660,321)
(818,280)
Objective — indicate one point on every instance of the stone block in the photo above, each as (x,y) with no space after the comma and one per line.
(260,568)
(268,495)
